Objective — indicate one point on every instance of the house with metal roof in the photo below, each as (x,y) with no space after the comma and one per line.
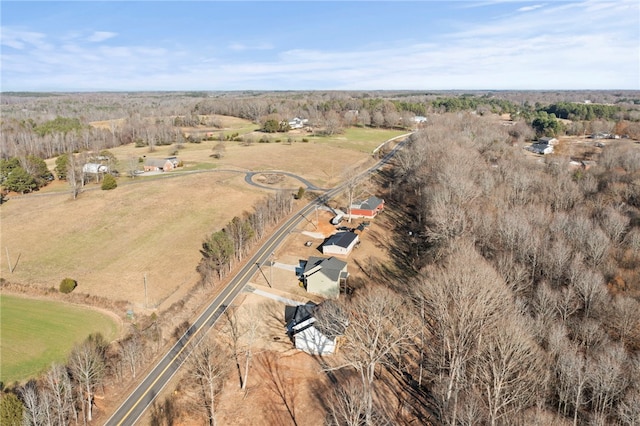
(368,208)
(340,243)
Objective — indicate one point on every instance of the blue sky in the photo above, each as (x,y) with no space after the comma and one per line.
(317,45)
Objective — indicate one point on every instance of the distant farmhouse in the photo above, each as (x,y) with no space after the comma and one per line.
(538,148)
(547,141)
(368,208)
(543,146)
(96,170)
(298,123)
(161,164)
(323,276)
(340,243)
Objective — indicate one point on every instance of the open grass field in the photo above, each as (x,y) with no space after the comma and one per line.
(154,226)
(35,333)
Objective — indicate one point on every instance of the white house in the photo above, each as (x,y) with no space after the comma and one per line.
(95,168)
(298,123)
(539,148)
(340,243)
(307,334)
(547,141)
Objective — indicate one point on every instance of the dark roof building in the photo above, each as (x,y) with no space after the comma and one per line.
(340,243)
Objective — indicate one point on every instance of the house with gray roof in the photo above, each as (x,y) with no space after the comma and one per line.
(323,276)
(160,164)
(547,141)
(368,208)
(340,243)
(310,335)
(539,148)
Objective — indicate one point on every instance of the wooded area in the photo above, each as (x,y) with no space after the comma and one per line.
(512,293)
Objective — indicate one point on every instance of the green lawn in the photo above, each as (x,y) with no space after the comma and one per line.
(35,333)
(362,139)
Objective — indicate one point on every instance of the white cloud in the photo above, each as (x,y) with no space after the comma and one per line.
(99,36)
(21,39)
(530,8)
(240,47)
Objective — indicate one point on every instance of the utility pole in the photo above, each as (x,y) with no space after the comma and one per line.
(9,260)
(271,270)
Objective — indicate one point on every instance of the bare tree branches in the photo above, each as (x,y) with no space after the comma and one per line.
(208,368)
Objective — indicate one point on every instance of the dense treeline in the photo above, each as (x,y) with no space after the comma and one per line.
(47,126)
(585,111)
(222,248)
(65,393)
(523,296)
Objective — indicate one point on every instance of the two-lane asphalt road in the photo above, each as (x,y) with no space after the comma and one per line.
(135,405)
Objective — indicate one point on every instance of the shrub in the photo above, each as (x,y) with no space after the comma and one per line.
(109,182)
(67,285)
(305,140)
(300,193)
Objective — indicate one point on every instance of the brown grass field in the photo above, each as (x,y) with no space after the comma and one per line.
(154,226)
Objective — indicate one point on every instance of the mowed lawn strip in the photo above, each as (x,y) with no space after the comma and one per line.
(35,333)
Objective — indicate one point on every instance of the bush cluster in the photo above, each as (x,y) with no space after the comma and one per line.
(109,182)
(67,285)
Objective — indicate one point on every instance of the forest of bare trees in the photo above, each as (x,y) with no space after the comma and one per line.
(523,279)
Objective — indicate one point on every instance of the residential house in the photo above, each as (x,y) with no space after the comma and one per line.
(539,148)
(307,333)
(547,141)
(161,164)
(340,243)
(94,169)
(298,123)
(323,276)
(368,208)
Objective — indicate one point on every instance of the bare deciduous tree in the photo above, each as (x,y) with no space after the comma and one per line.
(465,299)
(379,327)
(87,369)
(607,378)
(591,290)
(511,371)
(34,411)
(58,384)
(208,368)
(347,405)
(131,351)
